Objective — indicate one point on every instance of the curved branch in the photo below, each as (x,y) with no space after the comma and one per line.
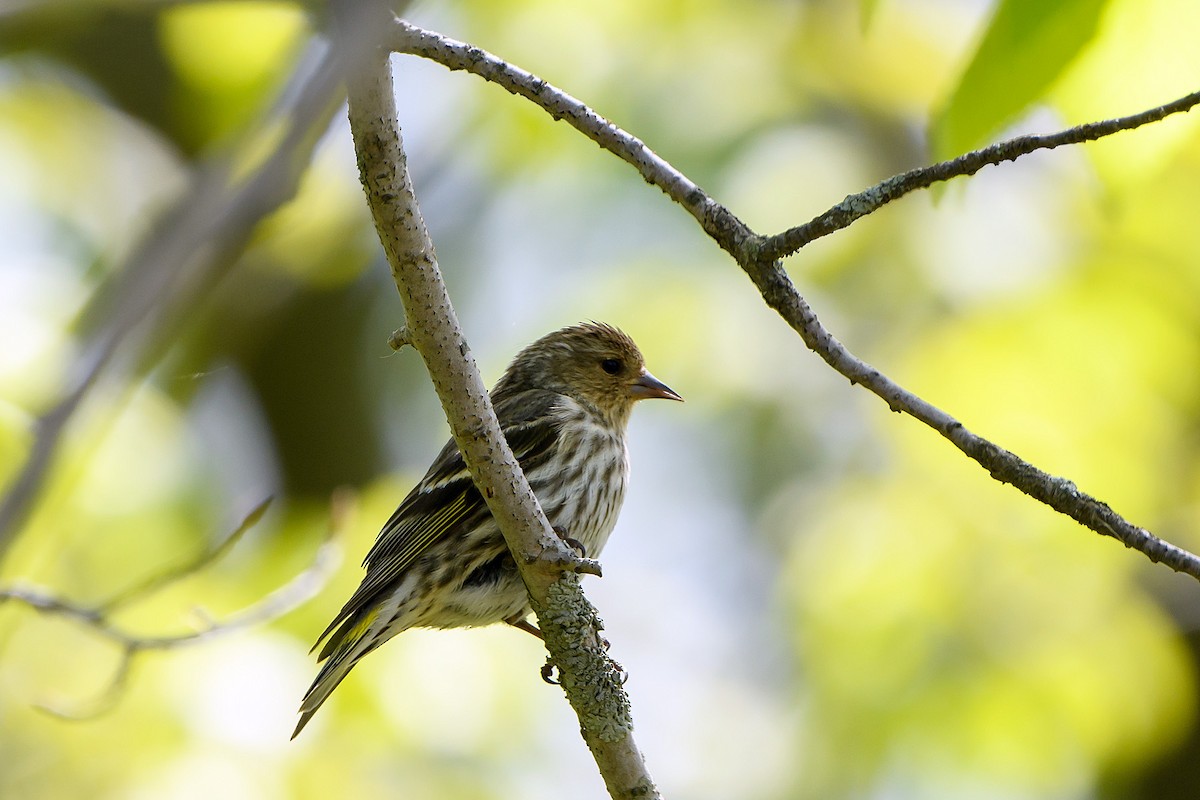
(570,625)
(759,257)
(291,595)
(865,202)
(167,577)
(717,221)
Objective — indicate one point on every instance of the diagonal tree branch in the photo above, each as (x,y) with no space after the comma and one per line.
(183,256)
(865,202)
(570,625)
(455,55)
(759,257)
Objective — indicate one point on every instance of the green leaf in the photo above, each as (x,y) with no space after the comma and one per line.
(1027,45)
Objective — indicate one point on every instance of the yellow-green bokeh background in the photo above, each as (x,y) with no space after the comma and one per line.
(814,598)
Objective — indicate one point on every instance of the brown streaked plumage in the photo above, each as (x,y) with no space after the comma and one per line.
(440,561)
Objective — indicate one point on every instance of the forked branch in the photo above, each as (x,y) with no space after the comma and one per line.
(759,255)
(590,678)
(99,617)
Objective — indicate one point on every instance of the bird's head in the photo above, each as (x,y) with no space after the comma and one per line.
(593,363)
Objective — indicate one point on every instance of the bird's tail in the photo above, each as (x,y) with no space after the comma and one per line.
(353,640)
(327,680)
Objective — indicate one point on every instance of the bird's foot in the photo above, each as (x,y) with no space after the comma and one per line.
(550,669)
(520,623)
(582,564)
(574,544)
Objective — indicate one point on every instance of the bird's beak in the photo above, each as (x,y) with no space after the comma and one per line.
(647,386)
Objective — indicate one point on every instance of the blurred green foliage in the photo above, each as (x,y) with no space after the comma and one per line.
(1026,46)
(814,597)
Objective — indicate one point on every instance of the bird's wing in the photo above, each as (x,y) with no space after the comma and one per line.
(446,503)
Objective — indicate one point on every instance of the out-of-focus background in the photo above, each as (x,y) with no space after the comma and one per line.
(814,598)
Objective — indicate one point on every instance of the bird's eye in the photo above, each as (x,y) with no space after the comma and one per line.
(611,365)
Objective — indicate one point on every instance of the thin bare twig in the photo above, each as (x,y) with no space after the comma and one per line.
(291,595)
(865,202)
(759,257)
(167,577)
(591,680)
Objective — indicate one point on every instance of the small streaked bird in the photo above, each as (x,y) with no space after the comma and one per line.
(440,561)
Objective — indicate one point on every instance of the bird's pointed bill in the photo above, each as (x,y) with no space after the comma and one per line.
(647,386)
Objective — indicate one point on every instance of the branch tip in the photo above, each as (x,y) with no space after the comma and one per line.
(399,338)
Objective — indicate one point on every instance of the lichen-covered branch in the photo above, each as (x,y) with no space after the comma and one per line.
(570,625)
(759,256)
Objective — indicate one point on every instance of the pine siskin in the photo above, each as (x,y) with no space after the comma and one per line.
(441,561)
